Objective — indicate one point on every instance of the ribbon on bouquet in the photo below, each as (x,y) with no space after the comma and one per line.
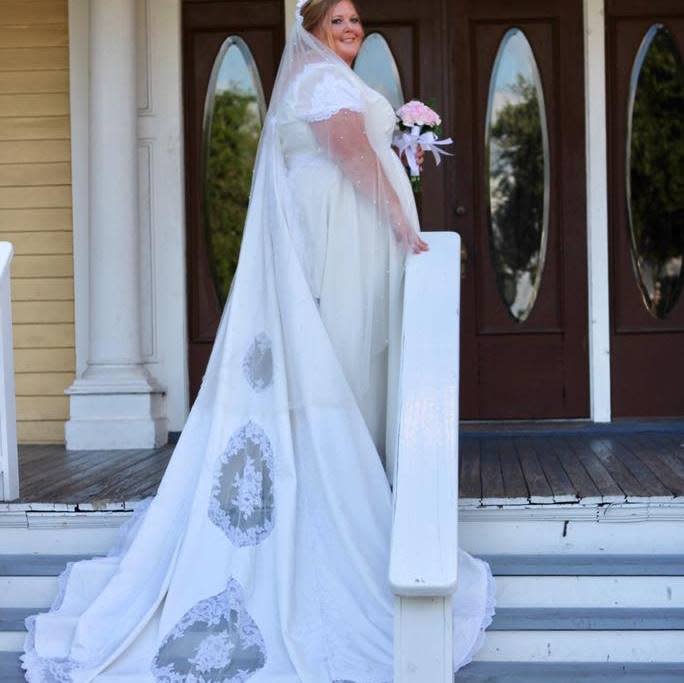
(407,143)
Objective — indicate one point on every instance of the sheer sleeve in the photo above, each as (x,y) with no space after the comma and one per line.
(321,92)
(343,135)
(335,108)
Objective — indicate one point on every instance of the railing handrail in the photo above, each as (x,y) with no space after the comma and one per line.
(9,469)
(424,549)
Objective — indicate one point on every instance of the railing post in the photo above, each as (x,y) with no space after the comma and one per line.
(424,550)
(423,632)
(9,467)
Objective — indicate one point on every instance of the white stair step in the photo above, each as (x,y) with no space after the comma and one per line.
(590,591)
(511,592)
(513,619)
(11,641)
(36,564)
(495,672)
(27,580)
(60,540)
(12,618)
(27,591)
(570,530)
(42,563)
(587,619)
(582,646)
(572,672)
(10,668)
(585,565)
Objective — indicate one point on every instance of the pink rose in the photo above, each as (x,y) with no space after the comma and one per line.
(415,113)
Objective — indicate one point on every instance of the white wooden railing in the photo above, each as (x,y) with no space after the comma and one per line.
(424,551)
(9,470)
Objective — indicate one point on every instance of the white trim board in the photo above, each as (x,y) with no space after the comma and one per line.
(626,529)
(597,209)
(162,209)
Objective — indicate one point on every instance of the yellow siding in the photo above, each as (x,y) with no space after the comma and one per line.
(35,209)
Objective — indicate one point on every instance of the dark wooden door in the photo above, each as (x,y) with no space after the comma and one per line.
(415,34)
(646,248)
(206,27)
(445,52)
(519,360)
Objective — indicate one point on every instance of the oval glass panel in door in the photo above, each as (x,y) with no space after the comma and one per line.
(654,170)
(376,65)
(517,174)
(233,114)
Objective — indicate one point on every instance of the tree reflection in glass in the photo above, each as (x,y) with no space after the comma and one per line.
(233,115)
(376,65)
(517,174)
(654,171)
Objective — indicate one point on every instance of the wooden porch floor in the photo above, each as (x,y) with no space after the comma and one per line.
(509,466)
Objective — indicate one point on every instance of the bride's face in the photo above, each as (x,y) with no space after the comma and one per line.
(344,31)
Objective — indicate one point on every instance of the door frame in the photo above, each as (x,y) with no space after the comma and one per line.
(642,345)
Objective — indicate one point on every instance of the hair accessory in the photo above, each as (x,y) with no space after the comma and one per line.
(298,10)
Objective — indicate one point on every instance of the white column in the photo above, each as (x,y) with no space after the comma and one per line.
(597,208)
(115,403)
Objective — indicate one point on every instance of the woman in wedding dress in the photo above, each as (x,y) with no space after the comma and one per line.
(264,553)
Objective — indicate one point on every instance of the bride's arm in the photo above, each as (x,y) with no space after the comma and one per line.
(344,138)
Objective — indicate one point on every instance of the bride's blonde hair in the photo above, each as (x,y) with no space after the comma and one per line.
(314,13)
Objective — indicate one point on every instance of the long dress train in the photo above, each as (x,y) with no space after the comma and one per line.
(264,553)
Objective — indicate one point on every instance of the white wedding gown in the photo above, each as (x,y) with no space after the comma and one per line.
(264,554)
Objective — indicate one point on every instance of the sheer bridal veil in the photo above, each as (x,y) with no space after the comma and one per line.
(318,102)
(265,550)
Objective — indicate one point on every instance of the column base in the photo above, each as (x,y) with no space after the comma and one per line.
(116,408)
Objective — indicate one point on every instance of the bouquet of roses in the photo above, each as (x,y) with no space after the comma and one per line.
(418,125)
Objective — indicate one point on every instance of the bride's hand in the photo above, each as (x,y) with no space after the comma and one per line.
(410,239)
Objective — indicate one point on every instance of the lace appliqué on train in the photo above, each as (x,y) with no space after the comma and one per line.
(258,363)
(216,641)
(242,502)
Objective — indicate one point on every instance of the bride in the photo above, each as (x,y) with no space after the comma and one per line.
(264,553)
